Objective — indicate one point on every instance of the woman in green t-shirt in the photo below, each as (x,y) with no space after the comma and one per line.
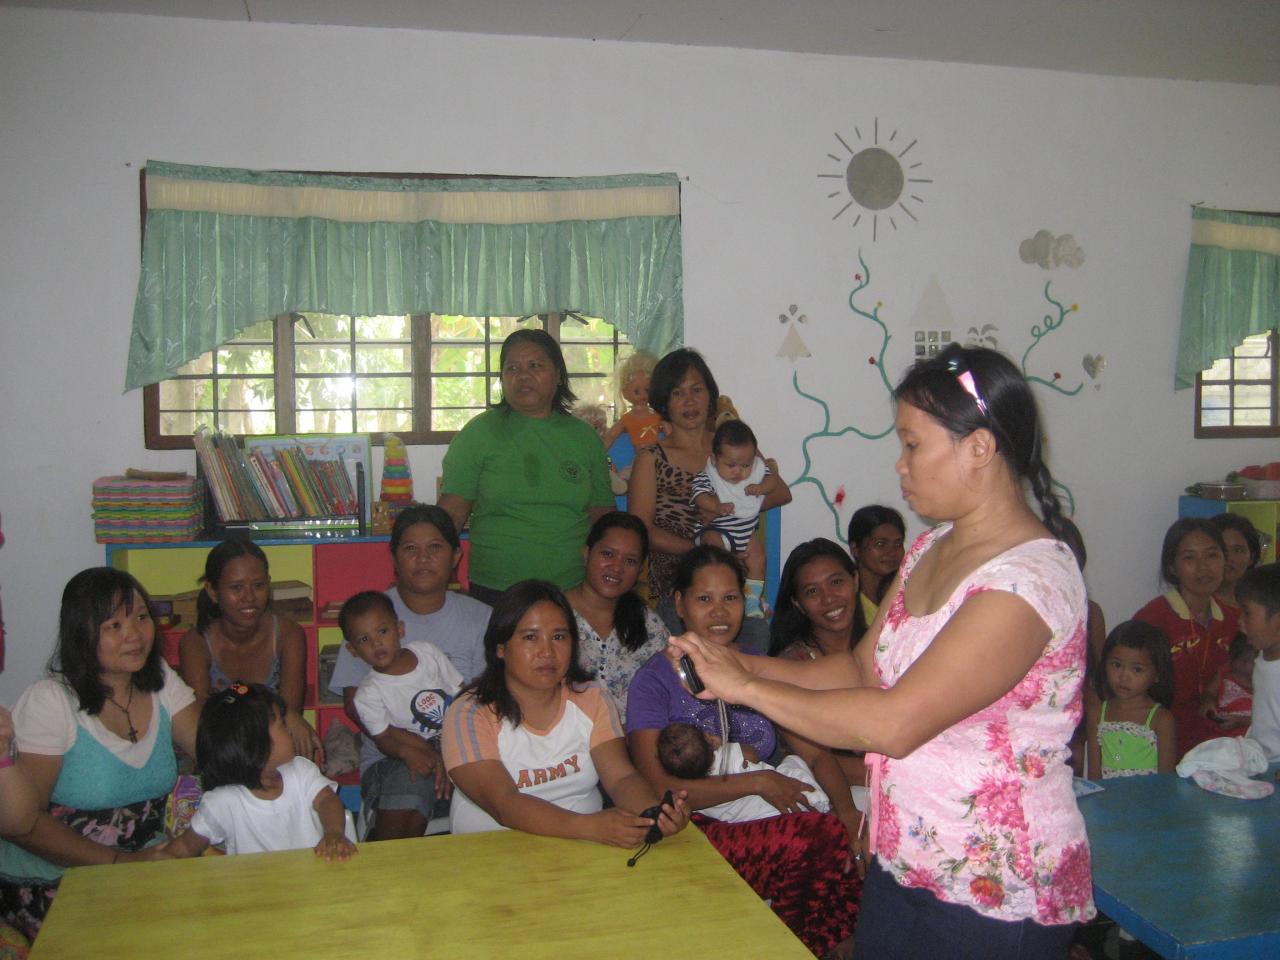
(531,477)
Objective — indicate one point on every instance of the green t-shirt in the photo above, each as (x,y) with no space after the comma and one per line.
(531,483)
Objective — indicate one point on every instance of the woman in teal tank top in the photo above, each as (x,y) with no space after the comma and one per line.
(95,741)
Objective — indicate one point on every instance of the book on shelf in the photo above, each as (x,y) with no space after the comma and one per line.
(262,480)
(275,480)
(290,590)
(214,471)
(297,480)
(298,610)
(334,468)
(331,610)
(266,471)
(308,471)
(249,502)
(281,483)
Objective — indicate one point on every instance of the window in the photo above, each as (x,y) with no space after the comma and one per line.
(1237,396)
(420,377)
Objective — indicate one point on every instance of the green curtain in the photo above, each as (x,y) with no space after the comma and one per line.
(224,249)
(1232,289)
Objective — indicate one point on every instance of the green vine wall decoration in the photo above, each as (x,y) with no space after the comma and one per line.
(1038,333)
(1051,322)
(832,503)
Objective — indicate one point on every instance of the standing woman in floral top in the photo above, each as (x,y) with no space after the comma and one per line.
(966,690)
(618,632)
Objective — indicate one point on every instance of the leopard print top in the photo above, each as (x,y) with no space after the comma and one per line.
(672,512)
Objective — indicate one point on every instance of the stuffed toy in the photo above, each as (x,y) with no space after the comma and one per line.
(641,424)
(725,410)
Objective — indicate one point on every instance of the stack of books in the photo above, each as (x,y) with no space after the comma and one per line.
(278,483)
(142,507)
(293,599)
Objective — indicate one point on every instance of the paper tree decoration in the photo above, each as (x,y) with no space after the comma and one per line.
(397,483)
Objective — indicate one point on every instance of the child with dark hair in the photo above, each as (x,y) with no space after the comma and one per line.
(728,494)
(1229,697)
(425,553)
(1243,551)
(1131,730)
(1259,594)
(690,753)
(259,795)
(401,704)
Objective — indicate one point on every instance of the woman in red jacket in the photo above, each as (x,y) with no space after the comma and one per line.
(1199,629)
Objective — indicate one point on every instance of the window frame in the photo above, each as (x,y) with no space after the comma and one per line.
(1244,432)
(285,379)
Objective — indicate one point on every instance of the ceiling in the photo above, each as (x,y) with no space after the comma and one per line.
(1227,40)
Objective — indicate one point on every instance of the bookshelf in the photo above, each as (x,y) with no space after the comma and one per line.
(285,486)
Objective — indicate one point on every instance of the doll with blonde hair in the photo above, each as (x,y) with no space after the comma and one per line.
(641,423)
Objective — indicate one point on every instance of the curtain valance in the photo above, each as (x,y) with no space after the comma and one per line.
(224,249)
(1232,289)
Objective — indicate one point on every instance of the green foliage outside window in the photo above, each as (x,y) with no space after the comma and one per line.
(422,378)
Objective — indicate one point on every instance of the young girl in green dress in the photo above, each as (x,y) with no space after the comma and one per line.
(1131,730)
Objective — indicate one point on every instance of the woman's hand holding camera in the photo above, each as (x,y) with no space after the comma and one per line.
(722,671)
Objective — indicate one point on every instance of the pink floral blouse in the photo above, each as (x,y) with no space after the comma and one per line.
(984,814)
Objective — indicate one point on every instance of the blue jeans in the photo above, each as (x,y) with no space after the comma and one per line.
(909,923)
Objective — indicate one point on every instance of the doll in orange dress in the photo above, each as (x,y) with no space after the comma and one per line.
(640,422)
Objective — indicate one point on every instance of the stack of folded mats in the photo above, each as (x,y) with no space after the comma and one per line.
(132,509)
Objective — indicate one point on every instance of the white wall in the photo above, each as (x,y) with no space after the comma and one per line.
(86,99)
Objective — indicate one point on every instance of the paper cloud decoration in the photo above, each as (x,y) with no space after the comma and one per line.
(1046,250)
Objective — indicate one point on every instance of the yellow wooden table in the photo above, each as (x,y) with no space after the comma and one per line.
(502,894)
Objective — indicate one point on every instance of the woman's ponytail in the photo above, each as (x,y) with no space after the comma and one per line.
(207,610)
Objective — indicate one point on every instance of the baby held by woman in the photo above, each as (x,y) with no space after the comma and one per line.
(688,752)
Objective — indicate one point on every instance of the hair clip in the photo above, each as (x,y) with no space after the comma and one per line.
(971,388)
(233,692)
(965,379)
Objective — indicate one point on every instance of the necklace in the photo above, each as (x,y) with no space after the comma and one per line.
(133,732)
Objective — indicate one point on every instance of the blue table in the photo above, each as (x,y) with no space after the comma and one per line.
(1187,872)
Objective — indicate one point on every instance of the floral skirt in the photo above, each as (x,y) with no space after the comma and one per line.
(800,863)
(24,901)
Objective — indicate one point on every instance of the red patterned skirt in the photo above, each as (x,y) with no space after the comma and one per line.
(796,861)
